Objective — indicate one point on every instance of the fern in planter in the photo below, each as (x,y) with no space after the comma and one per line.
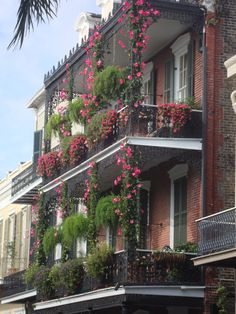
(58,125)
(51,237)
(74,226)
(53,125)
(109,83)
(105,212)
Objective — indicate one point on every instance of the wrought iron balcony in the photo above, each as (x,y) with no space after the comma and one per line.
(217,232)
(146,268)
(24,184)
(13,284)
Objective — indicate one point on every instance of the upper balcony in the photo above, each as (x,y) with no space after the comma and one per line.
(25,186)
(217,239)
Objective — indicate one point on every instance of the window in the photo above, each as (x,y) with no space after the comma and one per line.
(178,204)
(180,49)
(168,82)
(183,76)
(180,211)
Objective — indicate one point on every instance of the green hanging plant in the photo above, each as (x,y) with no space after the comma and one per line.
(74,226)
(58,125)
(51,238)
(53,125)
(109,83)
(105,212)
(74,111)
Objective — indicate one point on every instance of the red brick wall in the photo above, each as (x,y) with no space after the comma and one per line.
(159,229)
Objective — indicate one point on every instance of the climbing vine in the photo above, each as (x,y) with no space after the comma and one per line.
(91,199)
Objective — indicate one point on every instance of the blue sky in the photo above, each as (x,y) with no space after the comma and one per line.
(22,72)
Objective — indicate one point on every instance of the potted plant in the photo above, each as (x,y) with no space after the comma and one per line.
(74,226)
(105,212)
(51,237)
(48,164)
(98,262)
(101,127)
(30,275)
(59,123)
(173,116)
(67,278)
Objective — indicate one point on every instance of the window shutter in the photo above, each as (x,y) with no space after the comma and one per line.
(37,146)
(6,239)
(191,69)
(18,237)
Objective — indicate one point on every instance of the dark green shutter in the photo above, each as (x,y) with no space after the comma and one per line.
(37,146)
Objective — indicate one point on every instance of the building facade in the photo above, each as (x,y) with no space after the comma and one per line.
(138,145)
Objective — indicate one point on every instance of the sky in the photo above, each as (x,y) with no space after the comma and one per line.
(22,73)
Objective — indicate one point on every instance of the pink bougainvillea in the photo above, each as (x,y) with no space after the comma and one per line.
(173,115)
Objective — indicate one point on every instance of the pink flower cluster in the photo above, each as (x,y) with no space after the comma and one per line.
(48,164)
(173,115)
(108,123)
(78,148)
(140,16)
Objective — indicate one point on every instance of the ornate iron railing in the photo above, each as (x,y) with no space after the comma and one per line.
(24,179)
(13,284)
(217,232)
(146,268)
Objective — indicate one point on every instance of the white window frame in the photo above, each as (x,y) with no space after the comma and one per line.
(177,172)
(179,48)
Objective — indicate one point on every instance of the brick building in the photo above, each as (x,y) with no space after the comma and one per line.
(171,118)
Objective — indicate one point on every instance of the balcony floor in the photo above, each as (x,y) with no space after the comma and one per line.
(225,258)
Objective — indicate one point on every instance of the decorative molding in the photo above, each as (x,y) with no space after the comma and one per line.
(230,65)
(178,171)
(180,46)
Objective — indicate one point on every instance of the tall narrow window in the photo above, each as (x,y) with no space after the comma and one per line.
(180,211)
(167,94)
(180,49)
(178,204)
(183,77)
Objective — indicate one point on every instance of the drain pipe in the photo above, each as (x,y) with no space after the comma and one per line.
(204,117)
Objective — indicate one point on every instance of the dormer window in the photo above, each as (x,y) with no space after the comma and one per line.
(107,7)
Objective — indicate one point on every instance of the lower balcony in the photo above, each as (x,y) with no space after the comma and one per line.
(217,239)
(148,274)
